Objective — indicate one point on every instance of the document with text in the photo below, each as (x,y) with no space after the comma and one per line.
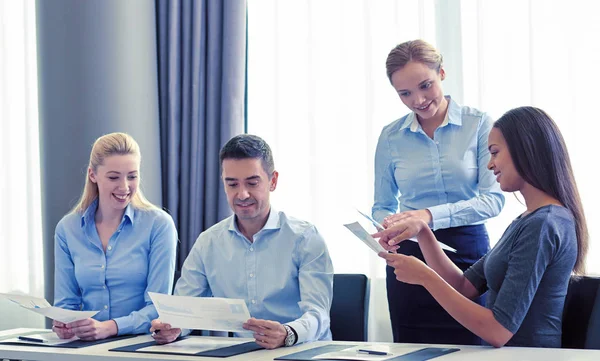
(201,313)
(42,307)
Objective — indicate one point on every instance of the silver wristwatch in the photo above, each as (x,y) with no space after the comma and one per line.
(291,337)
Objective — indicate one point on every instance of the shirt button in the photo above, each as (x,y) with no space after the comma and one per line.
(251,249)
(104,286)
(105,307)
(251,275)
(109,248)
(102,266)
(253,301)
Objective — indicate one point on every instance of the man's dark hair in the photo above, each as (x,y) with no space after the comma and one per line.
(245,146)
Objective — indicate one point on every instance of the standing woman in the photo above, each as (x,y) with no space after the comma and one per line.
(431,165)
(113,248)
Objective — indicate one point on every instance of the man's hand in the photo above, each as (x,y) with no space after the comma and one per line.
(163,333)
(268,334)
(90,329)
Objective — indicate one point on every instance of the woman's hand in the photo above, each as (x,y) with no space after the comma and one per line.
(422,214)
(61,330)
(90,329)
(407,227)
(408,269)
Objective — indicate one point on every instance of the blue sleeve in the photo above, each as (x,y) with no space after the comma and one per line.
(315,277)
(487,204)
(386,189)
(161,270)
(529,257)
(476,276)
(67,294)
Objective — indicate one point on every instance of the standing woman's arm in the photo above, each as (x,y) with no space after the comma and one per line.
(386,190)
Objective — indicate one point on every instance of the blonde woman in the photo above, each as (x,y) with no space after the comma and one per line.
(113,247)
(431,165)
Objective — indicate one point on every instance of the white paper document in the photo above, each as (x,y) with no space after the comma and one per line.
(41,306)
(379,227)
(194,345)
(46,339)
(201,313)
(364,236)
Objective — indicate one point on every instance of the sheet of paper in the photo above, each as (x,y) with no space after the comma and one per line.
(352,353)
(50,339)
(379,227)
(364,236)
(201,313)
(42,307)
(193,345)
(62,315)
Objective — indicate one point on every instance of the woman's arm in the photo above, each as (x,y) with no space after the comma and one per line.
(474,317)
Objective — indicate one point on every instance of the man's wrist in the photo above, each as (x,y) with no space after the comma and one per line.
(292,336)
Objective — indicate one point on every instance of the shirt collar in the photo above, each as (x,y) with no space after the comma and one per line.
(452,117)
(90,212)
(272,222)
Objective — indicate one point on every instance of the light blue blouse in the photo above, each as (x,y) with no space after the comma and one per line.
(447,175)
(140,257)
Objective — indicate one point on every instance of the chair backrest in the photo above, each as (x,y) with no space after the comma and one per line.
(350,307)
(581,315)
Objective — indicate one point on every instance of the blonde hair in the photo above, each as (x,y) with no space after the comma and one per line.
(413,50)
(106,146)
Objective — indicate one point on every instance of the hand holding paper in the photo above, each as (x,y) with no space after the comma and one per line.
(201,313)
(380,228)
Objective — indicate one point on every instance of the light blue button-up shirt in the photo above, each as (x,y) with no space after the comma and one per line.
(447,175)
(139,258)
(284,275)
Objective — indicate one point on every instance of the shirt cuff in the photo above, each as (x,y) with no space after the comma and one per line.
(124,325)
(440,216)
(300,331)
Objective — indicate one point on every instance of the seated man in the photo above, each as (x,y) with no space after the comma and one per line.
(278,264)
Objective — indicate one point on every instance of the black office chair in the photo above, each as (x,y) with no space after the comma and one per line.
(350,307)
(581,315)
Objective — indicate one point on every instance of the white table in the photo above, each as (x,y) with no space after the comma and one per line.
(100,352)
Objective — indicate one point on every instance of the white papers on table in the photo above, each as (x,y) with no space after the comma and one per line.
(201,313)
(364,236)
(194,345)
(48,339)
(353,353)
(41,306)
(379,228)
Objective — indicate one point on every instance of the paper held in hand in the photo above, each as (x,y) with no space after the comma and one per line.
(201,313)
(379,228)
(364,236)
(42,307)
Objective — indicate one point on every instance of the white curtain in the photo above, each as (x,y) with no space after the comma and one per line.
(318,93)
(21,257)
